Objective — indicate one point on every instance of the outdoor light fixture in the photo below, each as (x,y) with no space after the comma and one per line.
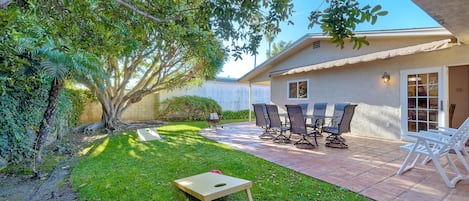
(386,77)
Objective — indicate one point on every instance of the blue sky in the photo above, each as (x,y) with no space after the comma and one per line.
(402,14)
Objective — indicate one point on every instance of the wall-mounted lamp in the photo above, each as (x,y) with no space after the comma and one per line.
(386,77)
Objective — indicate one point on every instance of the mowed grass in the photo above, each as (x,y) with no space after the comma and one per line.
(122,168)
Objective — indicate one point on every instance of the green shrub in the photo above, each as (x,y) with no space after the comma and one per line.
(188,108)
(72,103)
(22,99)
(241,114)
(70,106)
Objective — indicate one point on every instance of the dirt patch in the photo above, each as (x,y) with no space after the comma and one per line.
(57,186)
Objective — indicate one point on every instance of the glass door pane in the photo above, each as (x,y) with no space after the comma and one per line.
(422,101)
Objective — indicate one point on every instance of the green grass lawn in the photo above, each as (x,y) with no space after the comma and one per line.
(122,168)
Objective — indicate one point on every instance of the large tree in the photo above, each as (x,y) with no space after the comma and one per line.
(148,46)
(161,64)
(138,55)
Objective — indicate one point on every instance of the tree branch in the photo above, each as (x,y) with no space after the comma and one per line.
(159,20)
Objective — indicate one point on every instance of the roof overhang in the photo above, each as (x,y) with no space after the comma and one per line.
(308,39)
(387,54)
(451,14)
(301,43)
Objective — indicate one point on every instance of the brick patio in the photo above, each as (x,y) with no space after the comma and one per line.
(368,166)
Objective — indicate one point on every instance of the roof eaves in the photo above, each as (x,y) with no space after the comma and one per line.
(437,31)
(431,31)
(386,54)
(292,47)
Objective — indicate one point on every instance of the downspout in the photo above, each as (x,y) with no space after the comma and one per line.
(250,100)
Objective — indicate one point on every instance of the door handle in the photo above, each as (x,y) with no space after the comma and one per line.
(441,105)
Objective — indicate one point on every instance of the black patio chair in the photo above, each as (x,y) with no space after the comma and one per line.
(262,120)
(337,114)
(298,126)
(318,118)
(304,108)
(335,140)
(276,125)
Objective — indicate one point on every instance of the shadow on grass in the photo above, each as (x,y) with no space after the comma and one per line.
(123,168)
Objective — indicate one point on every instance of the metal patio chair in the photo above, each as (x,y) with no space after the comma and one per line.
(276,125)
(298,126)
(318,118)
(262,120)
(335,140)
(304,108)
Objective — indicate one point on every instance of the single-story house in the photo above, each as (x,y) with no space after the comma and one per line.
(428,71)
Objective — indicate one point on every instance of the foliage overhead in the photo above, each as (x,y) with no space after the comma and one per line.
(339,20)
(239,23)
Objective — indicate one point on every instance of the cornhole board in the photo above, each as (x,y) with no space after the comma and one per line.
(148,134)
(210,186)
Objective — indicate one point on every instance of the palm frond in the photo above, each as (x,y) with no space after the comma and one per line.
(56,65)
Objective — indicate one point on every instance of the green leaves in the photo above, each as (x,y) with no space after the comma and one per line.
(382,13)
(375,9)
(339,21)
(189,108)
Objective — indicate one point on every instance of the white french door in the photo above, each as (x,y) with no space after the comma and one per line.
(422,96)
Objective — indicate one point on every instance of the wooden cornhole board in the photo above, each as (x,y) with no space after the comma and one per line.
(210,186)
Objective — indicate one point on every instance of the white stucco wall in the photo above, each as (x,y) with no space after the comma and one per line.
(230,95)
(379,108)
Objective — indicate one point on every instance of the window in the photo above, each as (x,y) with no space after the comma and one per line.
(298,89)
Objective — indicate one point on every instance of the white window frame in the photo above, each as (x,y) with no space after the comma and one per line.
(297,82)
(442,94)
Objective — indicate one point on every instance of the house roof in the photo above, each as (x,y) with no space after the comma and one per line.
(426,47)
(309,39)
(451,14)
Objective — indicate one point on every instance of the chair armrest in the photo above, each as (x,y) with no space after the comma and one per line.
(440,132)
(435,135)
(438,140)
(434,131)
(452,130)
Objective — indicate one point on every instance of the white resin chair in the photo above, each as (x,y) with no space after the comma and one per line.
(460,149)
(436,145)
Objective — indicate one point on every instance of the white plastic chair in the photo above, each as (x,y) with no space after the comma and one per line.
(435,145)
(460,149)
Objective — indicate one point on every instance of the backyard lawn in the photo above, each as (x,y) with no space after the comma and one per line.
(123,168)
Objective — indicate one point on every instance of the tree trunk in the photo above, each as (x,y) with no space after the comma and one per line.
(48,119)
(111,116)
